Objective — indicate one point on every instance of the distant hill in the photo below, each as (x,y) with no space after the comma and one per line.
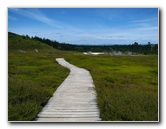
(25,42)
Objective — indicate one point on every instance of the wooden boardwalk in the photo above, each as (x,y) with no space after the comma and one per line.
(74,100)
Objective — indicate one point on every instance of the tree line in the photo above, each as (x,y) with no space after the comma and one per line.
(134,48)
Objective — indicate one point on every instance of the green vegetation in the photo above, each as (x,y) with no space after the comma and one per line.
(127,86)
(33,77)
(134,48)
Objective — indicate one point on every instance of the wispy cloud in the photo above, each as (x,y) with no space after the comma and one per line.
(37,15)
(144,20)
(12,18)
(96,26)
(145,23)
(14,9)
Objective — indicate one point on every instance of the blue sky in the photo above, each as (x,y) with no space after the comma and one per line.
(91,26)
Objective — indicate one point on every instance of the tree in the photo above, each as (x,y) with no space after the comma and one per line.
(135,43)
(27,36)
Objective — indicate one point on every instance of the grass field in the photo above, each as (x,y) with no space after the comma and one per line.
(127,86)
(32,77)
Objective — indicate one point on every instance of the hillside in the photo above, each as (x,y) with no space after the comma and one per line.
(33,76)
(38,42)
(17,42)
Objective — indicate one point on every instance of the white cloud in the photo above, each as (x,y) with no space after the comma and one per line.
(140,31)
(37,15)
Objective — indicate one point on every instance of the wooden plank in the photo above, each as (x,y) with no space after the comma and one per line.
(74,100)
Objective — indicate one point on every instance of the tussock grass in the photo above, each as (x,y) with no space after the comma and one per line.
(127,87)
(32,81)
(32,77)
